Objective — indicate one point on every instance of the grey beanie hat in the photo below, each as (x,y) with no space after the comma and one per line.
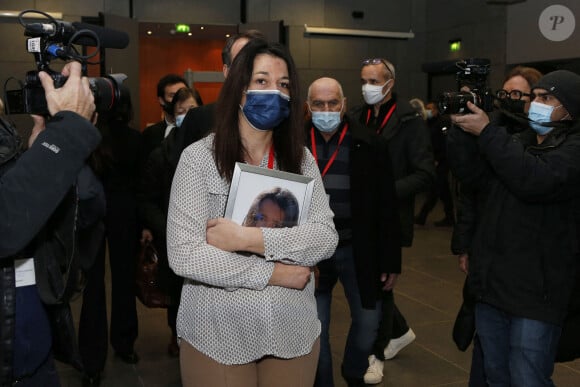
(564,85)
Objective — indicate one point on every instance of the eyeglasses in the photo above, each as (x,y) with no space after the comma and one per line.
(376,61)
(333,105)
(514,94)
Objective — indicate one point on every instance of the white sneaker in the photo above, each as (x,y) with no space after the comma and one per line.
(395,345)
(374,373)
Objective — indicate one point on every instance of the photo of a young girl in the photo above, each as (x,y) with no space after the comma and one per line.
(274,208)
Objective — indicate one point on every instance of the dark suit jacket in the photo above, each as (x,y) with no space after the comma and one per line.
(153,135)
(411,156)
(197,124)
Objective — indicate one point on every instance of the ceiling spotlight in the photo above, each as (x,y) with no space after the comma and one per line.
(202,28)
(189,34)
(227,35)
(149,32)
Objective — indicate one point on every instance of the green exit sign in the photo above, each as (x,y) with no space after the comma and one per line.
(182,28)
(454,45)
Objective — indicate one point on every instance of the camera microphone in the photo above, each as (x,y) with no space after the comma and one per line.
(108,38)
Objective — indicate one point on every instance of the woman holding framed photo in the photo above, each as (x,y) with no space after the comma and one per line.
(248,319)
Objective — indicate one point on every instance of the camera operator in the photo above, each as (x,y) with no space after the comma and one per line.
(31,188)
(522,255)
(514,102)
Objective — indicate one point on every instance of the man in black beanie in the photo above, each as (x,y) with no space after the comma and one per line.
(565,86)
(523,254)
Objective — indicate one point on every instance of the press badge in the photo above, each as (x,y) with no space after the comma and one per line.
(24,272)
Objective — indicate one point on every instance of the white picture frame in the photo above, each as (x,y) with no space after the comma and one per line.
(251,182)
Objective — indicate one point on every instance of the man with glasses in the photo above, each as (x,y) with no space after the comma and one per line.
(523,253)
(515,95)
(514,100)
(357,175)
(411,156)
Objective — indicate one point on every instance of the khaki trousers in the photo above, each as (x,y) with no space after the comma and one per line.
(199,370)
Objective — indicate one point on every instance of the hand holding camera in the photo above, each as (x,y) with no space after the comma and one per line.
(75,95)
(57,39)
(472,83)
(471,123)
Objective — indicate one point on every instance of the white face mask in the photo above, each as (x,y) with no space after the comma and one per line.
(373,94)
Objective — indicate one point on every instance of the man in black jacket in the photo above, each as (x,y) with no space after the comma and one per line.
(154,134)
(414,171)
(358,178)
(30,190)
(523,256)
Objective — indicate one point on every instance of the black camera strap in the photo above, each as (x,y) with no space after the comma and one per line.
(10,142)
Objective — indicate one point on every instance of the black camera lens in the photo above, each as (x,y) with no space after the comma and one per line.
(455,102)
(108,93)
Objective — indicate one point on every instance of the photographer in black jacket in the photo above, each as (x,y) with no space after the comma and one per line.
(523,254)
(31,187)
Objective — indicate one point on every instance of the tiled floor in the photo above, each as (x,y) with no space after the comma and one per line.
(428,293)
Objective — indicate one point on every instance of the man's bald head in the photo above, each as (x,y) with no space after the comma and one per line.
(325,84)
(325,101)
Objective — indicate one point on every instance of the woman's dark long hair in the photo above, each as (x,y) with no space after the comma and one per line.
(288,137)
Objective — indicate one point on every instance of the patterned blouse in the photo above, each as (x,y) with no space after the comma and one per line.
(228,311)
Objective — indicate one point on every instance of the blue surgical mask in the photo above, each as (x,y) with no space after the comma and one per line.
(326,122)
(179,119)
(266,109)
(540,113)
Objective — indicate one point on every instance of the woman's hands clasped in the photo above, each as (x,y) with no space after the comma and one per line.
(227,235)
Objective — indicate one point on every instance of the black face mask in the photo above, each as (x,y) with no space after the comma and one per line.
(515,106)
(168,108)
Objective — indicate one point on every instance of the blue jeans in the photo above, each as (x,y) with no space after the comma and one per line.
(516,351)
(364,322)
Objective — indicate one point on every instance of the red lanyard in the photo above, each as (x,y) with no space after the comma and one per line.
(271,157)
(385,120)
(331,160)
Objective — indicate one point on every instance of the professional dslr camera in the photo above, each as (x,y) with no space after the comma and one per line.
(57,39)
(473,75)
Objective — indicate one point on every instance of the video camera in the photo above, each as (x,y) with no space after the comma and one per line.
(57,39)
(472,74)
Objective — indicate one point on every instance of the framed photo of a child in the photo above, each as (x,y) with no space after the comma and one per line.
(263,197)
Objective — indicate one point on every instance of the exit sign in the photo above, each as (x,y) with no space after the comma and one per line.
(182,28)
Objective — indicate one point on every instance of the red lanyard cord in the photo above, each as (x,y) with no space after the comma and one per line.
(331,160)
(271,157)
(385,120)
